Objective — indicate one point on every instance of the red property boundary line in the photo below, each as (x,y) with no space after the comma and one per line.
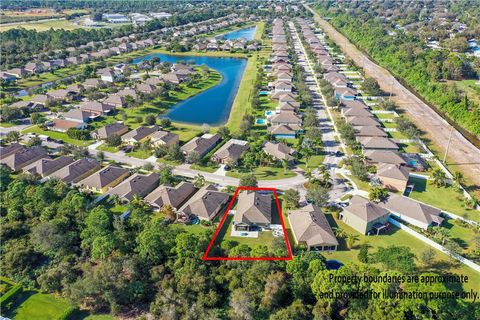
(289,257)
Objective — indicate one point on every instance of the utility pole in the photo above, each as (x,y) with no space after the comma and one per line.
(448,145)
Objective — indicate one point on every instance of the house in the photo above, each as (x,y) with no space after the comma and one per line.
(110,76)
(154,81)
(138,134)
(40,100)
(92,83)
(289,118)
(413,212)
(21,158)
(172,77)
(76,171)
(282,131)
(377,143)
(110,130)
(60,95)
(230,152)
(345,93)
(201,145)
(34,67)
(282,86)
(383,156)
(127,93)
(311,229)
(362,121)
(369,131)
(17,72)
(78,115)
(114,100)
(356,112)
(46,166)
(7,77)
(353,104)
(205,204)
(279,151)
(163,138)
(6,151)
(254,210)
(104,179)
(62,125)
(364,216)
(290,106)
(145,88)
(96,108)
(173,196)
(393,177)
(137,184)
(75,89)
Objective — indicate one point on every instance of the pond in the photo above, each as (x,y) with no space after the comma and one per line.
(247,34)
(213,105)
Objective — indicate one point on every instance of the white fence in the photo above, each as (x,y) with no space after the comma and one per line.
(435,245)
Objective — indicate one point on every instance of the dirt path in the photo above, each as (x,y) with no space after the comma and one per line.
(462,154)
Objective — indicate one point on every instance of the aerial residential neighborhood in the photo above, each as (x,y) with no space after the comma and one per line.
(239,160)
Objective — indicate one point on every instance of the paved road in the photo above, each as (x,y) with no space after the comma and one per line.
(463,155)
(339,188)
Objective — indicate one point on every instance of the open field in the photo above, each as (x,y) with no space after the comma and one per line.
(262,173)
(58,136)
(43,25)
(34,305)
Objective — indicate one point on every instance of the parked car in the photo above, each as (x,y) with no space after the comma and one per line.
(127,149)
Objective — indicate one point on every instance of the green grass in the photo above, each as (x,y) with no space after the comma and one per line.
(43,25)
(459,233)
(362,185)
(259,31)
(204,168)
(262,173)
(140,154)
(57,135)
(396,237)
(194,228)
(107,148)
(313,163)
(445,198)
(34,305)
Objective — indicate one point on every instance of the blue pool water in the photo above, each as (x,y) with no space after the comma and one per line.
(268,113)
(260,121)
(263,93)
(247,33)
(211,106)
(333,264)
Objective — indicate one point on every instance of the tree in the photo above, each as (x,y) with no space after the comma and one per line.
(351,239)
(174,153)
(396,258)
(427,257)
(224,132)
(378,194)
(100,156)
(242,305)
(199,181)
(13,136)
(34,141)
(248,180)
(439,177)
(114,140)
(363,253)
(459,178)
(37,118)
(318,195)
(193,157)
(165,122)
(296,311)
(442,234)
(168,212)
(150,120)
(150,245)
(371,87)
(275,291)
(291,198)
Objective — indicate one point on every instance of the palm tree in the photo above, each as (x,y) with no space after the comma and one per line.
(439,177)
(351,239)
(442,234)
(459,178)
(285,166)
(309,175)
(340,233)
(199,181)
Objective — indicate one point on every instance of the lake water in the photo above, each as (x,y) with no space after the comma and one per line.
(247,33)
(211,106)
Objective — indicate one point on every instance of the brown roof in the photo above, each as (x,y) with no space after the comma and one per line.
(139,133)
(111,129)
(22,158)
(231,150)
(205,203)
(370,131)
(362,121)
(165,136)
(104,177)
(175,197)
(6,151)
(279,150)
(365,209)
(310,225)
(76,170)
(202,144)
(286,117)
(63,124)
(410,208)
(377,143)
(393,171)
(138,184)
(253,208)
(384,156)
(46,166)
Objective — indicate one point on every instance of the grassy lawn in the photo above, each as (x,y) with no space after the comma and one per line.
(362,185)
(445,198)
(462,235)
(205,168)
(194,228)
(442,263)
(107,148)
(43,25)
(58,135)
(313,163)
(140,154)
(48,77)
(33,305)
(259,31)
(262,173)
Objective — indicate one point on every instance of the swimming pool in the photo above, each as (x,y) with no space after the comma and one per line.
(333,264)
(269,113)
(260,121)
(264,93)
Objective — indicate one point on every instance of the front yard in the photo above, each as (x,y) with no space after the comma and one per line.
(262,173)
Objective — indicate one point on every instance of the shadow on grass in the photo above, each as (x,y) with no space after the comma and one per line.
(21,298)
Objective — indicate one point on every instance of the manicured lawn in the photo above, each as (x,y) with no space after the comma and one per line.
(58,135)
(259,31)
(362,185)
(204,168)
(264,238)
(243,100)
(43,25)
(194,228)
(462,235)
(107,148)
(445,198)
(396,237)
(38,306)
(262,173)
(140,154)
(313,163)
